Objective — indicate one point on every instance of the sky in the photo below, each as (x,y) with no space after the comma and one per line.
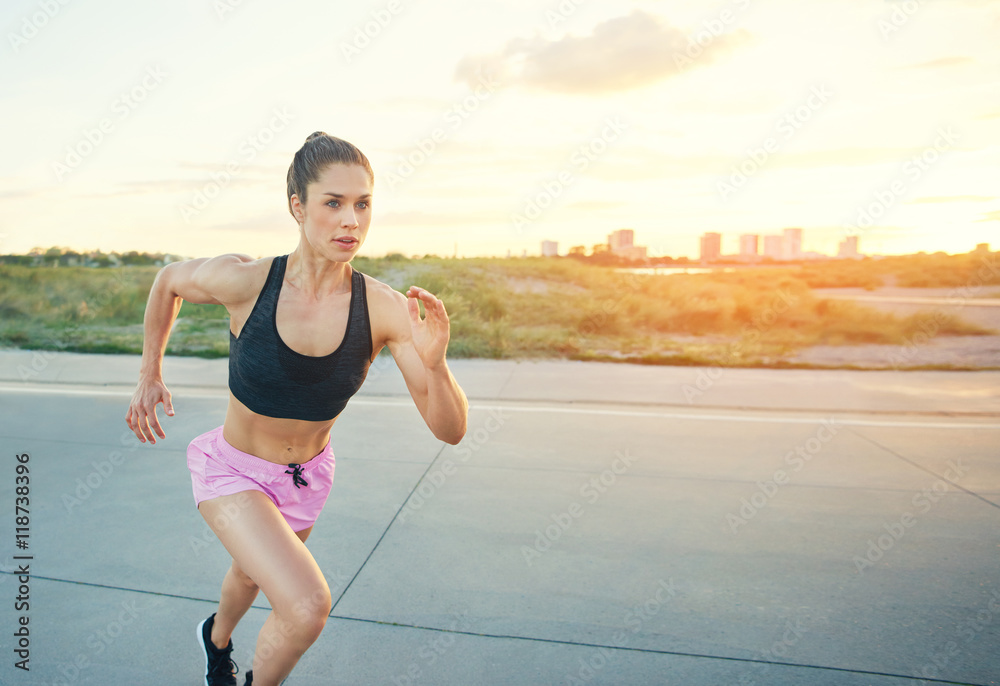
(491,126)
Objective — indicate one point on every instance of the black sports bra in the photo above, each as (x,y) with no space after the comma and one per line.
(275,381)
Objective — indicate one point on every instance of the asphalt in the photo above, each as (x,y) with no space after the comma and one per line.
(599,524)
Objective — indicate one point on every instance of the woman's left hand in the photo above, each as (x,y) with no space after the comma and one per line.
(430,334)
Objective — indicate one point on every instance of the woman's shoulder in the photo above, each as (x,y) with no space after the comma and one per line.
(387,307)
(382,293)
(233,277)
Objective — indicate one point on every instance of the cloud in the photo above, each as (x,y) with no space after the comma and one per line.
(21,193)
(274,222)
(150,187)
(391,220)
(993,216)
(245,176)
(620,54)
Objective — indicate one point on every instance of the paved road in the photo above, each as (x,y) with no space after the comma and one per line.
(600,524)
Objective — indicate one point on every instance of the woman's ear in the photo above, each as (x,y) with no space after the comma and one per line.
(298,211)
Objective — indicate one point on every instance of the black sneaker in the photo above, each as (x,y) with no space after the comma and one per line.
(220,670)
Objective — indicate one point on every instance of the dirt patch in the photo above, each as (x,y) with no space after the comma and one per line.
(926,349)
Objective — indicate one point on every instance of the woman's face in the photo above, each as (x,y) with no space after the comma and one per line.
(337,211)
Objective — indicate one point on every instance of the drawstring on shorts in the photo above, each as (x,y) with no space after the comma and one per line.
(297,475)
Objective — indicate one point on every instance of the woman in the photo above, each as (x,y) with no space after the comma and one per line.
(303,330)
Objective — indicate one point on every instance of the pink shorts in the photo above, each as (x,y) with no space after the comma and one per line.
(219,469)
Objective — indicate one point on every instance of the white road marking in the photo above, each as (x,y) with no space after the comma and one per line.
(831,417)
(594,411)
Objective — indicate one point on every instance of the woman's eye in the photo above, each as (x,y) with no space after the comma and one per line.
(363,205)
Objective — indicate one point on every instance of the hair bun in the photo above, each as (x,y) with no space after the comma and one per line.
(317,134)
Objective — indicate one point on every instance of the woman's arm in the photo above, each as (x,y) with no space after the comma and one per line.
(419,347)
(201,281)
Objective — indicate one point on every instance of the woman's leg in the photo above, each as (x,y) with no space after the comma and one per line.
(277,561)
(238,593)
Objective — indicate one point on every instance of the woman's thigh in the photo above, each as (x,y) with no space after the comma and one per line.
(266,549)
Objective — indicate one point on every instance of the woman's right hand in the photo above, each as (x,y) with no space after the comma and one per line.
(141,417)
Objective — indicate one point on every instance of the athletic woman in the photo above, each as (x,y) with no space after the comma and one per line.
(304,328)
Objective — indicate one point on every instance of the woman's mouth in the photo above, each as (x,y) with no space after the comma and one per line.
(346,241)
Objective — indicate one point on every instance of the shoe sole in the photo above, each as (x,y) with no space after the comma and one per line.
(201,643)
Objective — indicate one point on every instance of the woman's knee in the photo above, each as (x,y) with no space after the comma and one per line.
(309,612)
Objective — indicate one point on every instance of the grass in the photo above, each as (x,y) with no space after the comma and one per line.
(969,271)
(529,307)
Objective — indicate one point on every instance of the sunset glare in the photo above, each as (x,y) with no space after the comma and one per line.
(492,126)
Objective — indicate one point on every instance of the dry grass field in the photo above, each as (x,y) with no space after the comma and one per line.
(536,307)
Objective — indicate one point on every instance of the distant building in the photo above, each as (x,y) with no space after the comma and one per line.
(773,247)
(622,238)
(550,248)
(748,245)
(791,244)
(982,247)
(711,247)
(848,248)
(622,244)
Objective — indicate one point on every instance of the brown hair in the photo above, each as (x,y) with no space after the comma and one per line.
(318,152)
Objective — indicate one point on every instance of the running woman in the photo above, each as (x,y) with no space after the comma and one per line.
(304,328)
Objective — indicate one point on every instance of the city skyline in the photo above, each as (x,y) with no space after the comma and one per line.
(844,119)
